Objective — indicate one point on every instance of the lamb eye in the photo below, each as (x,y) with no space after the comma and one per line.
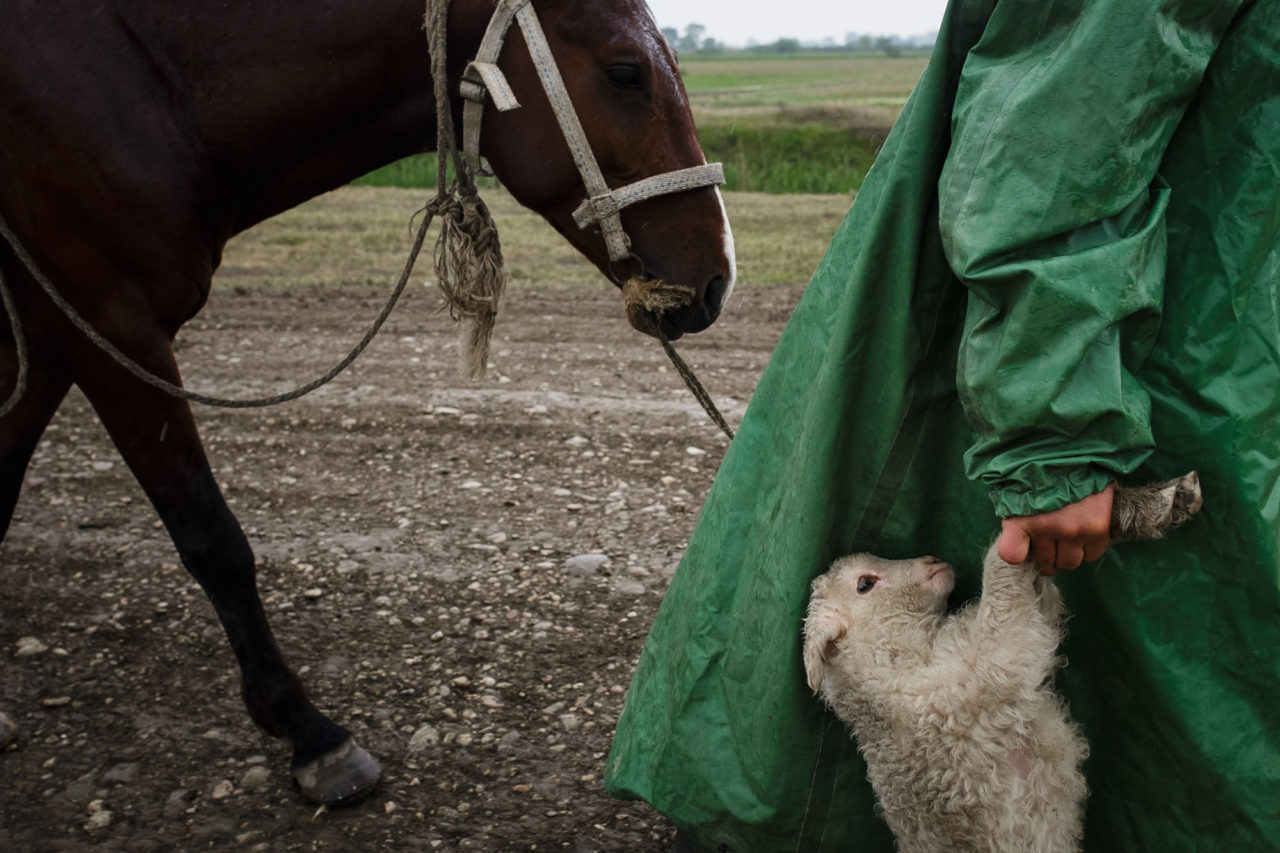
(625,77)
(865,583)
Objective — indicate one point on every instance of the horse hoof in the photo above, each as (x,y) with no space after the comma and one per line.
(8,730)
(341,775)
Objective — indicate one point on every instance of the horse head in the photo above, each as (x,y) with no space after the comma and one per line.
(625,87)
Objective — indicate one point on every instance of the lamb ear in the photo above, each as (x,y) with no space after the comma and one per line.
(824,626)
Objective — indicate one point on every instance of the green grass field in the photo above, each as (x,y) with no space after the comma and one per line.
(802,123)
(878,85)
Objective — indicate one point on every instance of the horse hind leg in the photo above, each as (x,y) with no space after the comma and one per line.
(156,435)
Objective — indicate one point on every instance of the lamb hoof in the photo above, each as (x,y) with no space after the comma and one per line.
(8,730)
(1149,512)
(341,775)
(1187,499)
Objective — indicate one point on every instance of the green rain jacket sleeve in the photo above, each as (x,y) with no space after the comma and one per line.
(1052,215)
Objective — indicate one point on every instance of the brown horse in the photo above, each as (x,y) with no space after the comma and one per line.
(137,137)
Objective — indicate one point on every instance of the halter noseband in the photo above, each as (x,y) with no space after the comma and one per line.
(483,80)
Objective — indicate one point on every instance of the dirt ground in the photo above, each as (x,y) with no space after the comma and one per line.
(416,537)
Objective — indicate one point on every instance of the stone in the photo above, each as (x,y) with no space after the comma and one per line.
(423,738)
(255,777)
(8,730)
(626,586)
(176,804)
(585,565)
(121,774)
(28,646)
(222,790)
(99,817)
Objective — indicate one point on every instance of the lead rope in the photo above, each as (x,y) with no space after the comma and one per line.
(654,297)
(155,381)
(692,383)
(19,343)
(658,297)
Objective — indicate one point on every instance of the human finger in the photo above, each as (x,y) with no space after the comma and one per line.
(1044,551)
(1095,548)
(1070,555)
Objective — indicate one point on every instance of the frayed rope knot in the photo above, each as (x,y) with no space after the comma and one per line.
(470,272)
(656,296)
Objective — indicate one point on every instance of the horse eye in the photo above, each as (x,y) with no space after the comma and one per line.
(865,583)
(625,77)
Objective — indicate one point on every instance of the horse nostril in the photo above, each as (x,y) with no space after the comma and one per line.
(713,296)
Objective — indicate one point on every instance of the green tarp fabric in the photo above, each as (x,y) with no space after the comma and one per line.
(1064,268)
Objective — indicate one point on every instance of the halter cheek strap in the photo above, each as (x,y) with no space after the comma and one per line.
(484,81)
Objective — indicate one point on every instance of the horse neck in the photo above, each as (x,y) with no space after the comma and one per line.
(293,100)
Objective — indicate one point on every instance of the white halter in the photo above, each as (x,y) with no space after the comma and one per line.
(483,80)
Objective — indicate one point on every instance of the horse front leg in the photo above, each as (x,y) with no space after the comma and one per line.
(156,435)
(20,432)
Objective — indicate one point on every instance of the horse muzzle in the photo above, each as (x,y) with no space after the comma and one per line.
(655,306)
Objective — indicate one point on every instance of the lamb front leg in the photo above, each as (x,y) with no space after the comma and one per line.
(1014,633)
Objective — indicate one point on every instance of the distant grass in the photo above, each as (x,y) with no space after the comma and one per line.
(802,80)
(360,235)
(803,123)
(416,172)
(761,153)
(766,154)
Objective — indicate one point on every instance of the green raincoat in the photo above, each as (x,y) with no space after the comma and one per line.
(1063,269)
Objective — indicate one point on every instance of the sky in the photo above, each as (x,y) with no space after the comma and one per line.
(733,22)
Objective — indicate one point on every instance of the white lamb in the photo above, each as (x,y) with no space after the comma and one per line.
(967,746)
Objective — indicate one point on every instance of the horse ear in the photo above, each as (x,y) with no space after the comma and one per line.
(824,627)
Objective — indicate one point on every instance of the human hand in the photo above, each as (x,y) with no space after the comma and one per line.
(1061,539)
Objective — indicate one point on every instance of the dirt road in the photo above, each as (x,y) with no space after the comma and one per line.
(426,555)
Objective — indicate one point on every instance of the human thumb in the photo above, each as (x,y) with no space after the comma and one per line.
(1014,543)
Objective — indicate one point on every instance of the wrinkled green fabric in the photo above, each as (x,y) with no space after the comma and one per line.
(1063,269)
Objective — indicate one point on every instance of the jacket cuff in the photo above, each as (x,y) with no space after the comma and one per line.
(1047,488)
